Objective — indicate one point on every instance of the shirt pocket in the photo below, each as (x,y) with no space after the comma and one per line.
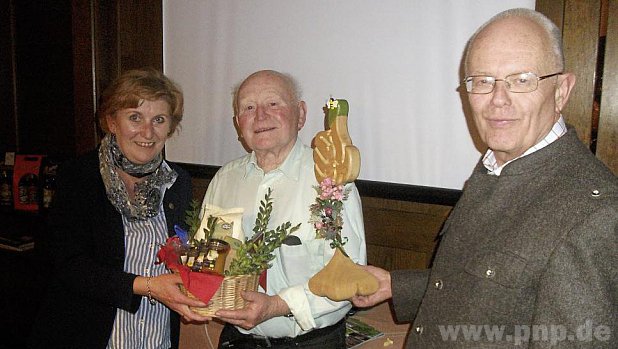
(299,262)
(499,277)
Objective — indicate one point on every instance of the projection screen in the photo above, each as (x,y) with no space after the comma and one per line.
(397,63)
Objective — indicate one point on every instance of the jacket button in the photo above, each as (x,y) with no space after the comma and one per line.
(418,329)
(490,273)
(438,284)
(170,205)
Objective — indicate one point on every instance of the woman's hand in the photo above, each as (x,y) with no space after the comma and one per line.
(165,289)
(259,308)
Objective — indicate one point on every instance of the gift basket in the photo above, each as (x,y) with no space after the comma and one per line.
(215,261)
(227,295)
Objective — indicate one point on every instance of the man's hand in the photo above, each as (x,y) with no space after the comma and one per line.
(384,289)
(259,308)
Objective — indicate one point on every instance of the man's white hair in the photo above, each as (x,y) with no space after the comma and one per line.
(553,32)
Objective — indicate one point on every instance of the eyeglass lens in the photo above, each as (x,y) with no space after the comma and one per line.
(518,82)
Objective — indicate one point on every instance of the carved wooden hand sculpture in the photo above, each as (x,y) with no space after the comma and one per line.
(335,157)
(333,152)
(342,279)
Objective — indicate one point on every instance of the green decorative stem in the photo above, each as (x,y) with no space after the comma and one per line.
(341,109)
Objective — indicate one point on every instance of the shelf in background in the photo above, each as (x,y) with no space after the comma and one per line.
(19,229)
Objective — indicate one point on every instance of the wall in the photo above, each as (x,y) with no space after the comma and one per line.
(49,88)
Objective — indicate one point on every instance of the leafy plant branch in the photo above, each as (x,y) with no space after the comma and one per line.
(256,254)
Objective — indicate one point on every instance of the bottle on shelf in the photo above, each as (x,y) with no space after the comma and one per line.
(6,189)
(22,189)
(33,189)
(49,186)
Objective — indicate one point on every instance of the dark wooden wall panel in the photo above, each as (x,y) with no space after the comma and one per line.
(84,98)
(553,9)
(110,37)
(140,33)
(390,258)
(607,141)
(583,22)
(44,77)
(8,134)
(106,53)
(581,39)
(199,188)
(401,234)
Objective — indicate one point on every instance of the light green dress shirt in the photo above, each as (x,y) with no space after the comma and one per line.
(241,183)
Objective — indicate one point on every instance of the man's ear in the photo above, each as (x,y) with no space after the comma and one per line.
(237,126)
(302,114)
(566,82)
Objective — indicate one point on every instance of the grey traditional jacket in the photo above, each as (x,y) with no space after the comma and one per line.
(528,259)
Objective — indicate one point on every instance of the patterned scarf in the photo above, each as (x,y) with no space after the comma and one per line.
(147,193)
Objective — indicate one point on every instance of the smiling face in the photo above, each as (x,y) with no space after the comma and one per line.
(269,116)
(510,123)
(141,132)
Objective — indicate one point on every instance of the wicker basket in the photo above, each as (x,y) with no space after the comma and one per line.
(228,294)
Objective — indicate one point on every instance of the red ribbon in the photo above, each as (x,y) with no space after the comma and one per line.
(262,280)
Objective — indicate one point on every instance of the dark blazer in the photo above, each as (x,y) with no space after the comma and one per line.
(533,249)
(87,245)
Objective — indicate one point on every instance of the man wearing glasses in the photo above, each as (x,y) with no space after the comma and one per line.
(529,256)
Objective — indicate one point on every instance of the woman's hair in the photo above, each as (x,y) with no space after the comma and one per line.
(131,88)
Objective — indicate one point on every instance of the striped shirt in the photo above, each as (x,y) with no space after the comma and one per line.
(557,131)
(149,327)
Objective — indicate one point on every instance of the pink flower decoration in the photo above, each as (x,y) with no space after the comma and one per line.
(326,212)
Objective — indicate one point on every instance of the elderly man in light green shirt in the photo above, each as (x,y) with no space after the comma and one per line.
(268,115)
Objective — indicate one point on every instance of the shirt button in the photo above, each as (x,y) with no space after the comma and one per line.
(418,329)
(171,205)
(490,273)
(438,284)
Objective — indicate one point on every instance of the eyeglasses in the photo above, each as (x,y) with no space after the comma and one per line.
(517,83)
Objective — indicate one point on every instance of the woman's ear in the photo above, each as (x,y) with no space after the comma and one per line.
(111,123)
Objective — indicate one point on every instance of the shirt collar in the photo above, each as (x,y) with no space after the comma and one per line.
(167,168)
(290,166)
(558,130)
